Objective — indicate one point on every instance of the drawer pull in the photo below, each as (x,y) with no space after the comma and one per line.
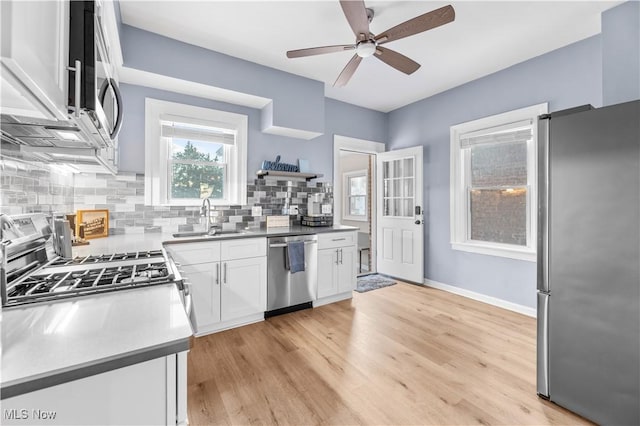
(339,239)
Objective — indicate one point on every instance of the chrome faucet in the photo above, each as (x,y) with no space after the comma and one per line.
(205,211)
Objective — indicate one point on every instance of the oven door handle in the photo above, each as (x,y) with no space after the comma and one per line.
(188,300)
(285,245)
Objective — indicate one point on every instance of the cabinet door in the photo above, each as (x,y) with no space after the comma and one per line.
(244,287)
(34,57)
(327,283)
(194,253)
(347,269)
(243,248)
(133,395)
(205,292)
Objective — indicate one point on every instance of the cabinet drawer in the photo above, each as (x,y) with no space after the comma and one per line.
(243,248)
(194,253)
(336,239)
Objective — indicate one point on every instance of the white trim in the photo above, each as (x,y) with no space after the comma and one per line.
(503,250)
(110,23)
(362,146)
(490,300)
(185,87)
(156,185)
(349,144)
(458,214)
(227,325)
(332,299)
(291,133)
(345,184)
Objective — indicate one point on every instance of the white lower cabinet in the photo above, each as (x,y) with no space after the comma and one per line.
(150,392)
(327,267)
(205,292)
(346,270)
(336,267)
(228,281)
(244,287)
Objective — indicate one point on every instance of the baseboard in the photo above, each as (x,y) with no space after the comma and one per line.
(521,309)
(226,325)
(332,299)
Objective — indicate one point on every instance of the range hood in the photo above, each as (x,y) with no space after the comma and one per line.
(53,142)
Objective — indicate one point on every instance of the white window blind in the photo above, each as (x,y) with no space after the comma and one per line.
(493,184)
(514,132)
(189,131)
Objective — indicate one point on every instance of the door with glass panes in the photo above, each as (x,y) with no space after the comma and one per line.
(400,228)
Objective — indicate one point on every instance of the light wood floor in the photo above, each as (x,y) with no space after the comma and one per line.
(399,355)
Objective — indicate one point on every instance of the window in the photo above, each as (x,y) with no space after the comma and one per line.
(398,199)
(355,190)
(193,153)
(493,184)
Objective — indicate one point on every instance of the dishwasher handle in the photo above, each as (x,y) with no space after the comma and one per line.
(285,244)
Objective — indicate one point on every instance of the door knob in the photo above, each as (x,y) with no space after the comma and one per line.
(418,222)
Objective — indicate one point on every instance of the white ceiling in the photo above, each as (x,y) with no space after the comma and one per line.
(484,38)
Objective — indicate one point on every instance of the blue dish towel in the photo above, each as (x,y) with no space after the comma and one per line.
(295,251)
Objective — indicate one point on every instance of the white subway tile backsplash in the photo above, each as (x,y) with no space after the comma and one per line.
(178,221)
(27,189)
(95,199)
(125,207)
(134,230)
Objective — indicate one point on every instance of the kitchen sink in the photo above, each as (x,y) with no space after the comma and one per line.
(205,234)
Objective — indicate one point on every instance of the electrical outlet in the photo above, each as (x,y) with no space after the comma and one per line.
(256,211)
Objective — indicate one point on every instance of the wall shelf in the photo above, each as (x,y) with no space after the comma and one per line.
(305,176)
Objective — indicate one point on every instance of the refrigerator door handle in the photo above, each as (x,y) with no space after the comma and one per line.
(543,205)
(542,348)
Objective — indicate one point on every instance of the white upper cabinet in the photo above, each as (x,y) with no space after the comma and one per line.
(33,59)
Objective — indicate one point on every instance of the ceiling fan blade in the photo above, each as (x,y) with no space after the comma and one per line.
(319,50)
(356,14)
(396,60)
(421,23)
(348,71)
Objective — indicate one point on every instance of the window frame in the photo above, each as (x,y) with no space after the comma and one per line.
(157,151)
(460,216)
(346,214)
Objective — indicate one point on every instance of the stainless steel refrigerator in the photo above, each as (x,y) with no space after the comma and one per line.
(589,262)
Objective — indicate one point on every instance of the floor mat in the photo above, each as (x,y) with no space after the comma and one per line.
(372,282)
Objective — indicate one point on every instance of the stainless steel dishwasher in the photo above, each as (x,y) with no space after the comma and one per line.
(287,292)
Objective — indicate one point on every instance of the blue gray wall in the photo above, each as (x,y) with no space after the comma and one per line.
(621,53)
(564,78)
(603,69)
(341,118)
(298,102)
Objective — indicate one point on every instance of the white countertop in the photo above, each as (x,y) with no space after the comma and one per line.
(43,342)
(123,243)
(153,241)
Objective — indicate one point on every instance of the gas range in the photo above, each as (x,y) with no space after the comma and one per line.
(33,274)
(116,257)
(77,279)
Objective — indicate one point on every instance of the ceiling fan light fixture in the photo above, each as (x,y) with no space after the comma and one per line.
(366,48)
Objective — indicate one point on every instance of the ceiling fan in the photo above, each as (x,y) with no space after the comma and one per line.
(368,44)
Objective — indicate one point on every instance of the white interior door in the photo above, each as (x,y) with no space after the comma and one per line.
(399,212)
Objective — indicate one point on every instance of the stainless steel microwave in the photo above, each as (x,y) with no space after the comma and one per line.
(93,92)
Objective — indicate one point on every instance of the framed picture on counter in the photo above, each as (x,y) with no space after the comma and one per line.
(94,222)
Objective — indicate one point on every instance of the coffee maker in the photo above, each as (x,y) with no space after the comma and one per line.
(319,212)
